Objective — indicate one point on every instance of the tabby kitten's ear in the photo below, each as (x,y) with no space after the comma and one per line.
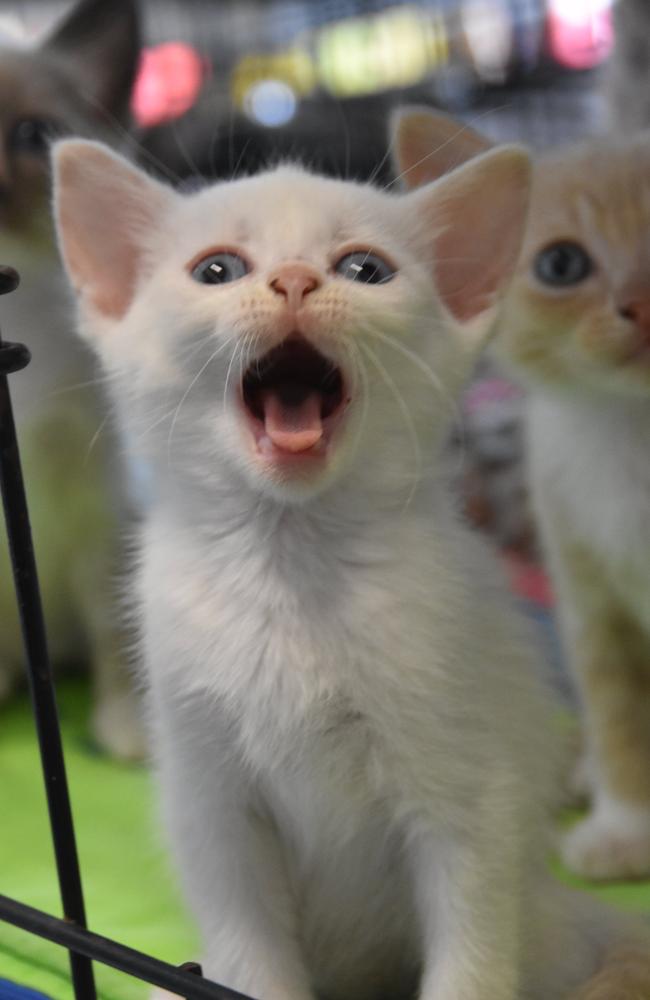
(475,218)
(427,144)
(105,210)
(99,43)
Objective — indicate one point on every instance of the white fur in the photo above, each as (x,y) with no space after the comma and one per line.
(353,750)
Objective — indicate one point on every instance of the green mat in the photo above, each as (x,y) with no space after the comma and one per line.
(130,892)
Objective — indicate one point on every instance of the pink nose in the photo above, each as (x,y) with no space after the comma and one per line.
(295,281)
(639,313)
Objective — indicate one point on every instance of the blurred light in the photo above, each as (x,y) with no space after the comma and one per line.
(293,67)
(488,27)
(580,32)
(354,56)
(168,83)
(397,48)
(271,102)
(12,30)
(528,27)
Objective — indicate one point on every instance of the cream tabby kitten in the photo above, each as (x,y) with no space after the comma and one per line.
(576,325)
(352,746)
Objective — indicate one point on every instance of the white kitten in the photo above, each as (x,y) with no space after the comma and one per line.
(353,751)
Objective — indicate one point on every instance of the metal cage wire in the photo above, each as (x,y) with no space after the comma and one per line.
(71,932)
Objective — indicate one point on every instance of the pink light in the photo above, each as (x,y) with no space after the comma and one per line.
(169,80)
(580,34)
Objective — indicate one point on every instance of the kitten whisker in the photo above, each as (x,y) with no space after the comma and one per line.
(99,380)
(361,376)
(141,435)
(131,141)
(408,420)
(240,159)
(423,159)
(194,348)
(424,368)
(237,352)
(198,375)
(94,440)
(185,153)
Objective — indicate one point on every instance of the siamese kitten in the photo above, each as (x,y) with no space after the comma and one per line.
(576,326)
(78,82)
(351,740)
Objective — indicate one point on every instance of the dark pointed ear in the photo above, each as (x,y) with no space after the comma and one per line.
(427,144)
(99,40)
(105,211)
(475,218)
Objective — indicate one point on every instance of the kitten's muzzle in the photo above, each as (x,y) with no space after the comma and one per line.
(294,281)
(637,313)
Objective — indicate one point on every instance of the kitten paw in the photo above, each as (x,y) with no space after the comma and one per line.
(580,782)
(605,847)
(117,728)
(625,976)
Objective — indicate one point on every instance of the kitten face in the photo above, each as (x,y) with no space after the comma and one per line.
(282,326)
(36,106)
(282,310)
(578,312)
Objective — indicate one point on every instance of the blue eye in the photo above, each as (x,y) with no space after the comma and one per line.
(31,135)
(220,269)
(563,264)
(364,266)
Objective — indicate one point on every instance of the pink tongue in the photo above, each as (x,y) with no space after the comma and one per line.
(296,427)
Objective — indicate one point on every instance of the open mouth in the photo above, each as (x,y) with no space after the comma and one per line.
(293,397)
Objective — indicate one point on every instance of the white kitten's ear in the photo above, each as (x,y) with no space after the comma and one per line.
(475,218)
(104,208)
(427,144)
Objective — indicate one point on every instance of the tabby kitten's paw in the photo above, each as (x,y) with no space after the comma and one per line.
(610,844)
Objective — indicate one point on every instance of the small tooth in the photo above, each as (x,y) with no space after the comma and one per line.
(265,445)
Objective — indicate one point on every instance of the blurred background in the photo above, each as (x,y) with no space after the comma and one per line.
(315,77)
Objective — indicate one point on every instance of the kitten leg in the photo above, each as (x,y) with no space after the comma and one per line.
(116,720)
(468,894)
(611,659)
(582,779)
(625,975)
(233,870)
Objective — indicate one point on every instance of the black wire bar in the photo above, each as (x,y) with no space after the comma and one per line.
(13,357)
(183,981)
(71,932)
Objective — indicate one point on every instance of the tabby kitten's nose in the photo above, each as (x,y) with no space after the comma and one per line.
(295,281)
(639,313)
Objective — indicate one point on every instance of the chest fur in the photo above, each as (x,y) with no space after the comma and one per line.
(286,653)
(591,481)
